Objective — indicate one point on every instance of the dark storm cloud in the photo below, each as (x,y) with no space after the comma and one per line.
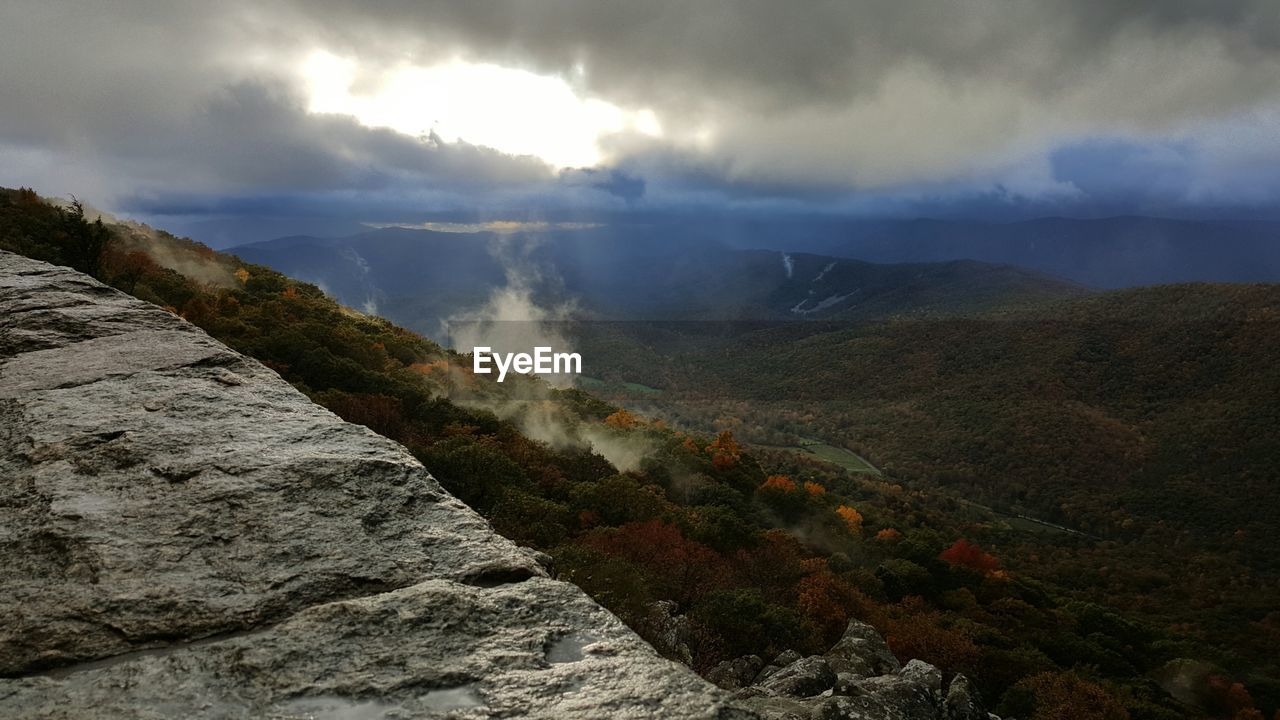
(153,96)
(756,97)
(782,53)
(869,94)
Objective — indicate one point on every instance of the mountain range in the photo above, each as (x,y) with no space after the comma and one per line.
(768,269)
(421,278)
(1114,252)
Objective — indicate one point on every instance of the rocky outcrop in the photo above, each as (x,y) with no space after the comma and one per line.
(822,687)
(861,651)
(183,534)
(736,673)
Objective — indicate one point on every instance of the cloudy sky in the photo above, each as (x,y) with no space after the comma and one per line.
(408,110)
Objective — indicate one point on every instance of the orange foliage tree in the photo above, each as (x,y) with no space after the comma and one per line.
(427,368)
(721,461)
(779,483)
(852,518)
(725,451)
(622,419)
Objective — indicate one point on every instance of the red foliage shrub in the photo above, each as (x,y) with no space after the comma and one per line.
(966,554)
(686,569)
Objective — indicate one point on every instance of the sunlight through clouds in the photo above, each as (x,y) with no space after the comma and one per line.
(509,110)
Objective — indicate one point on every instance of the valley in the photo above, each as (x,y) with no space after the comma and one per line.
(1103,429)
(1031,466)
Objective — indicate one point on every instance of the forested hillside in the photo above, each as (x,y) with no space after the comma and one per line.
(1142,420)
(707,548)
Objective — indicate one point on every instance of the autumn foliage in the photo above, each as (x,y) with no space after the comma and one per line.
(779,483)
(827,601)
(1231,699)
(724,450)
(686,569)
(915,630)
(1066,696)
(427,368)
(622,420)
(851,517)
(965,554)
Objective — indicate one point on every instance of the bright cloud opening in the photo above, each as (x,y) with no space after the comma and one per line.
(512,111)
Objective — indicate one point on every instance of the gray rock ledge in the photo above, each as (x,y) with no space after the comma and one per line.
(183,534)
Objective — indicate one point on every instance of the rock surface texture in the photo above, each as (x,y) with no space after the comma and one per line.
(183,534)
(858,679)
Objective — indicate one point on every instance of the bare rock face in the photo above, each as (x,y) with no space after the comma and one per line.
(668,630)
(862,651)
(735,673)
(784,658)
(963,700)
(805,677)
(183,534)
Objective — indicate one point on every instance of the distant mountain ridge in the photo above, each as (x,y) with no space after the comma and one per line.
(1115,252)
(418,277)
(1102,253)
